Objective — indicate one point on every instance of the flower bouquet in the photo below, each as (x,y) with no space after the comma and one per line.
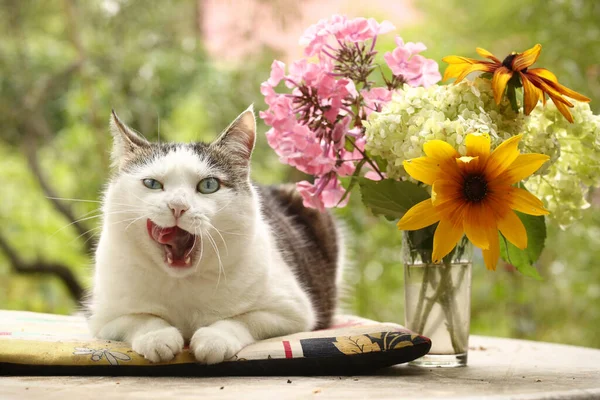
(460,164)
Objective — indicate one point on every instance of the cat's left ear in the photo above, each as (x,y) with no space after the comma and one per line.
(240,135)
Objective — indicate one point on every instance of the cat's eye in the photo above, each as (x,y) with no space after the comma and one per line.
(209,185)
(152,184)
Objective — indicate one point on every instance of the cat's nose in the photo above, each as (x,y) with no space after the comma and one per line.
(178,209)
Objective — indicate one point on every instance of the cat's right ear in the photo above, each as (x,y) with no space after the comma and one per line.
(125,141)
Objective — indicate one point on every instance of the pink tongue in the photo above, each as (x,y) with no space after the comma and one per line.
(165,235)
(180,243)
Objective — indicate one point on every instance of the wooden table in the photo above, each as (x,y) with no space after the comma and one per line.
(498,368)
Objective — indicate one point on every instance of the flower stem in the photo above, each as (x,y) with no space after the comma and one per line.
(444,296)
(366,157)
(448,304)
(511,93)
(417,319)
(441,288)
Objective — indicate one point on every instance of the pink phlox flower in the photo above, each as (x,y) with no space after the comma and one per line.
(336,23)
(347,167)
(280,114)
(333,92)
(300,148)
(401,63)
(326,192)
(277,73)
(350,158)
(304,71)
(313,120)
(333,193)
(413,48)
(355,132)
(354,30)
(317,160)
(311,166)
(375,98)
(405,61)
(414,67)
(309,197)
(360,29)
(315,37)
(359,143)
(429,74)
(374,176)
(267,91)
(350,87)
(380,28)
(338,133)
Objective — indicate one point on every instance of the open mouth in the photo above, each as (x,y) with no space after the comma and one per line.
(178,244)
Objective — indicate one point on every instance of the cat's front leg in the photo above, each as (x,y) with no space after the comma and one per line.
(150,336)
(220,341)
(223,339)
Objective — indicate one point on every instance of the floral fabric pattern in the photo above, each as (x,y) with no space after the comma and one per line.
(47,340)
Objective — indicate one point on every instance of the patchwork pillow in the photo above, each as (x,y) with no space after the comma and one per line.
(46,344)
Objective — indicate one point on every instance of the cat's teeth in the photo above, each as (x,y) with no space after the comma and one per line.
(188,260)
(169,259)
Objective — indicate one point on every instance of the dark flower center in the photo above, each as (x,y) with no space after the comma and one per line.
(475,188)
(508,61)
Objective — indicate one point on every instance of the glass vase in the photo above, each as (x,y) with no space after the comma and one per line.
(438,298)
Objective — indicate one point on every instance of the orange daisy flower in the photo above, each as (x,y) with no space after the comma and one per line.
(474,195)
(536,82)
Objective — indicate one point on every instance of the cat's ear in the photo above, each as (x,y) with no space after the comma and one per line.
(126,141)
(240,135)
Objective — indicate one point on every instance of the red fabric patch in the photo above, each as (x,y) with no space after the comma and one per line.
(288,349)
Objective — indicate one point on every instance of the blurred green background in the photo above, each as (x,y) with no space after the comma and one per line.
(187,68)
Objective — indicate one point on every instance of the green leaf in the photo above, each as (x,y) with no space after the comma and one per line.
(349,145)
(349,183)
(523,260)
(389,197)
(381,162)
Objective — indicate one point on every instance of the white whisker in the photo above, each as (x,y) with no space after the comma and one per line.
(228,203)
(221,268)
(85,233)
(201,248)
(75,222)
(142,200)
(79,200)
(87,201)
(99,228)
(221,236)
(137,219)
(234,233)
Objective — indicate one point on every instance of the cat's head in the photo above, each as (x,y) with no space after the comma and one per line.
(177,203)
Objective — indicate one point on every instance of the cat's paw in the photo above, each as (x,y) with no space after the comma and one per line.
(212,345)
(160,345)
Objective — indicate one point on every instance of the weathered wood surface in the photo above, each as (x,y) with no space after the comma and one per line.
(498,368)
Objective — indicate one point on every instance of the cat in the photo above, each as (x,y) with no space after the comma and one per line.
(191,251)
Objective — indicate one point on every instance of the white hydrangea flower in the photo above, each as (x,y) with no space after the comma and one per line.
(564,185)
(449,113)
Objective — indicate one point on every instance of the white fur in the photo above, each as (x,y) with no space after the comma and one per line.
(239,291)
